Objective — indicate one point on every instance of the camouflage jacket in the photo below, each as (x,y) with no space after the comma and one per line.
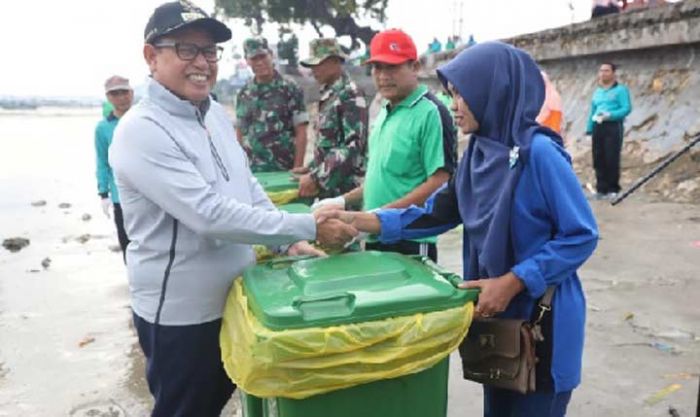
(266,115)
(341,138)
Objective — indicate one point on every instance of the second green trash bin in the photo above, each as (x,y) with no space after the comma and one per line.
(278,186)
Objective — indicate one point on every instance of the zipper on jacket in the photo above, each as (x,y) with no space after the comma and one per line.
(212,148)
(166,274)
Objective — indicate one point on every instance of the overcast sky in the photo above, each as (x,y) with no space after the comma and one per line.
(69,47)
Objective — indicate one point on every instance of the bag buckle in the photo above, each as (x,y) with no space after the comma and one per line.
(543,309)
(487,341)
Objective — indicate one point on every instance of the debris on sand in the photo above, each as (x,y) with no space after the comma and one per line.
(86,217)
(661,394)
(38,203)
(664,347)
(64,206)
(15,244)
(86,341)
(99,409)
(682,375)
(83,238)
(46,262)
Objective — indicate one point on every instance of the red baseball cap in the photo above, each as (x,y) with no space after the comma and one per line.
(393,47)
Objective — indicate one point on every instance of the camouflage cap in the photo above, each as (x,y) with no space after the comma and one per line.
(255,46)
(320,49)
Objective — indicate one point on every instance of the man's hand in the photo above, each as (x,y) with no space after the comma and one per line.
(300,170)
(333,232)
(495,294)
(307,186)
(364,222)
(329,212)
(304,248)
(106,204)
(601,117)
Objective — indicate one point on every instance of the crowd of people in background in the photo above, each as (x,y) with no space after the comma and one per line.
(452,43)
(606,7)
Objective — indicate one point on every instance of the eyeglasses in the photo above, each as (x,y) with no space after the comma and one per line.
(189,51)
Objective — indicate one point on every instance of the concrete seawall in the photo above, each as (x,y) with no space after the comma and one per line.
(658,54)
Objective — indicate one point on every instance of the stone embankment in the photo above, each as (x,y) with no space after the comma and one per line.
(658,55)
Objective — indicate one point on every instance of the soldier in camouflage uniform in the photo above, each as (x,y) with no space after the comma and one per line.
(338,165)
(270,113)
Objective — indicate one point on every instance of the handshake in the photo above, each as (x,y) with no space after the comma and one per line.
(337,228)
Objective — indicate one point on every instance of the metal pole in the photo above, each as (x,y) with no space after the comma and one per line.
(655,171)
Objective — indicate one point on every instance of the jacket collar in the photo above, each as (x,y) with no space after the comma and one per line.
(173,104)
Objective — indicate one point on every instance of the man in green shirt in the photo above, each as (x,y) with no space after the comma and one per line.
(412,146)
(271,117)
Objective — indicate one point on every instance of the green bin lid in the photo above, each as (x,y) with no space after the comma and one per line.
(276,181)
(296,208)
(357,287)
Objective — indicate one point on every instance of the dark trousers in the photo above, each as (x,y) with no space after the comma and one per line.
(121,233)
(183,368)
(607,145)
(406,247)
(505,403)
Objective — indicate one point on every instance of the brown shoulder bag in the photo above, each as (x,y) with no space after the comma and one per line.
(501,352)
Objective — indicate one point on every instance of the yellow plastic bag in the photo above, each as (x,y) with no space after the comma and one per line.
(262,253)
(279,198)
(299,363)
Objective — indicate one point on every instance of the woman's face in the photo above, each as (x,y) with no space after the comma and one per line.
(464,119)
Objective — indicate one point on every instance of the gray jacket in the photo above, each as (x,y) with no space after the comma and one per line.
(191,207)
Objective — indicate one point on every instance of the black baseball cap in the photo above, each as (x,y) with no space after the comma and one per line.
(175,15)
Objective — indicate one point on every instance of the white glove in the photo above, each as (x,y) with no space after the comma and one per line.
(601,117)
(106,207)
(334,201)
(360,237)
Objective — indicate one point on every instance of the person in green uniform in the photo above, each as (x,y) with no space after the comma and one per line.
(338,165)
(271,117)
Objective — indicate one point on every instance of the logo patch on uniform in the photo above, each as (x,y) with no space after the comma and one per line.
(513,156)
(188,17)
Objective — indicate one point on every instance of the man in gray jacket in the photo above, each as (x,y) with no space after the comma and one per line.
(192,210)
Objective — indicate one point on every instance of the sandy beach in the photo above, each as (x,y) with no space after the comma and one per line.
(67,347)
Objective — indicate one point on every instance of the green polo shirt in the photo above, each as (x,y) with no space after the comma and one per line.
(407,144)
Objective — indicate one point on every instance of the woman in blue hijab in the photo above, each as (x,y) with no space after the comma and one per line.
(527,224)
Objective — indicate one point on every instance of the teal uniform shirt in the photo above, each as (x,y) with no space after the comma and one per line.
(614,100)
(103,139)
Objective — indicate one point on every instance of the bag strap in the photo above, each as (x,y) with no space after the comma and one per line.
(545,304)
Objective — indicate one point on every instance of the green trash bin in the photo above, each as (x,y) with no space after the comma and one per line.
(354,288)
(296,208)
(280,181)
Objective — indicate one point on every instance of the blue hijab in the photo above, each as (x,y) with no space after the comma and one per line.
(504,89)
